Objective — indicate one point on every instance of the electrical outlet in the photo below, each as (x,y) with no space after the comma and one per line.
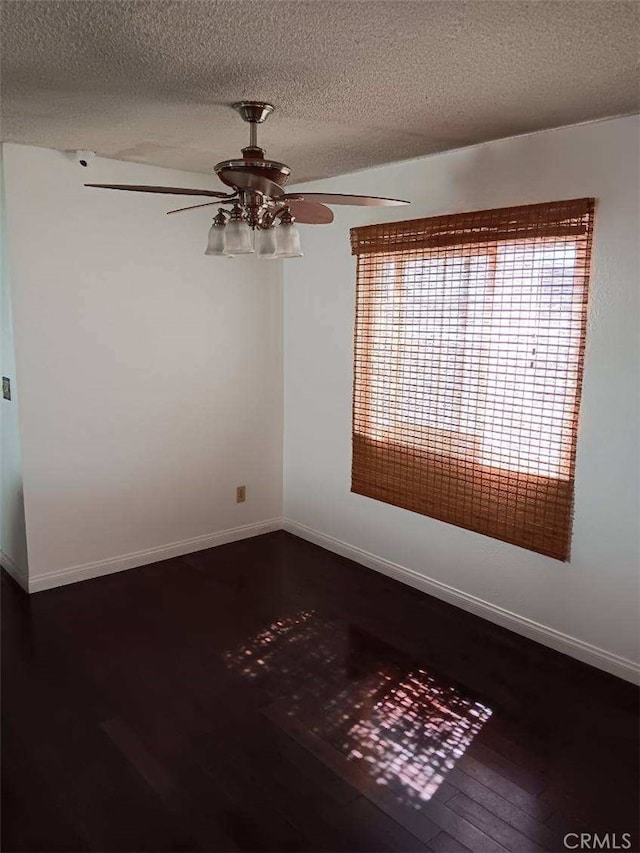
(6,387)
(241,494)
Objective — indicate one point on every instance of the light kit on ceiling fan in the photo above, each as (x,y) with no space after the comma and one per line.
(268,239)
(262,219)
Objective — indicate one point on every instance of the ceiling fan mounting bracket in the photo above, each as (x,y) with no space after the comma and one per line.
(253,111)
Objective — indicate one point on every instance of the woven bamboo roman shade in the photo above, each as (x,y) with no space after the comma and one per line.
(470,336)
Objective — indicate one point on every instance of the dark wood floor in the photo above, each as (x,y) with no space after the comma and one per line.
(270,696)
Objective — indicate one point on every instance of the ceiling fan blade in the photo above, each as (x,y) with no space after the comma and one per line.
(167,190)
(336,198)
(195,206)
(310,212)
(250,181)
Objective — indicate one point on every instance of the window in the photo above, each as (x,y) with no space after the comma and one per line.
(470,333)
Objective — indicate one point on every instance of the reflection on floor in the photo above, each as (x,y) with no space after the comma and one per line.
(402,726)
(415,733)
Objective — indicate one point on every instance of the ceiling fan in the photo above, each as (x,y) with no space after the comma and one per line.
(262,216)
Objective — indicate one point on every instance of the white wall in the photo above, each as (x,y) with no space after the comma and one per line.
(13,542)
(594,598)
(150,375)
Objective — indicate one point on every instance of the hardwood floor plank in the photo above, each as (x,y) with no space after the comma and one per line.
(444,843)
(504,787)
(491,824)
(383,828)
(526,777)
(26,792)
(523,821)
(463,830)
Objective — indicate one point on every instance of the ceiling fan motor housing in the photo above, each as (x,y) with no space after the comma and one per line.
(270,169)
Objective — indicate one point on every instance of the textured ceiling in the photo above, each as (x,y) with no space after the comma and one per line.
(355,82)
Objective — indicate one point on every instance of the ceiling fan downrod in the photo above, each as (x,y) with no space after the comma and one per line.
(253,112)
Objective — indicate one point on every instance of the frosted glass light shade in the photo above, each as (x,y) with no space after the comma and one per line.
(216,240)
(238,238)
(288,242)
(266,242)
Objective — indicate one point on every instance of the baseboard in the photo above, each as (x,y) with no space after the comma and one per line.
(572,646)
(14,570)
(150,555)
